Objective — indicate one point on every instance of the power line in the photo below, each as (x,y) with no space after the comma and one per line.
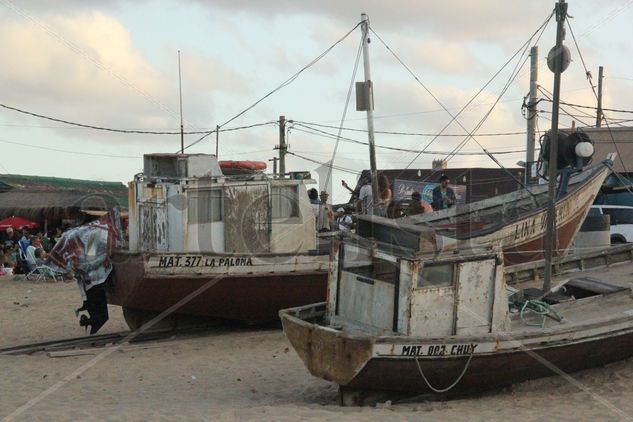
(407,133)
(284,84)
(133,131)
(330,165)
(318,132)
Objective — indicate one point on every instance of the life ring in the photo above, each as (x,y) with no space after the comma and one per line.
(244,165)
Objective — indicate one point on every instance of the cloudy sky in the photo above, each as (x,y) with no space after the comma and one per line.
(113,64)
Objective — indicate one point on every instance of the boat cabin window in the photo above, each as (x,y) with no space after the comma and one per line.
(441,275)
(285,201)
(365,265)
(205,206)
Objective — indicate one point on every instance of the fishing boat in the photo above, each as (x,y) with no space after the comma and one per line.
(424,308)
(517,221)
(216,240)
(406,318)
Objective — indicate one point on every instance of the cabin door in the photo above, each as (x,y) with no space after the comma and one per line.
(475,297)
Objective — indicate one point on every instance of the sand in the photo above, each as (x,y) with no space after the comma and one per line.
(246,374)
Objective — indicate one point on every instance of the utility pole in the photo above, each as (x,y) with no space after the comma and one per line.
(282,145)
(369,92)
(217,141)
(531,113)
(599,111)
(550,233)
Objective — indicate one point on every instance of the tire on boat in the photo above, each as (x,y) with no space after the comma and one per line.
(136,318)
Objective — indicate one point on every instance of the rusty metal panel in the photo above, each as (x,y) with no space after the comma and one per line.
(432,311)
(475,295)
(366,301)
(247,218)
(153,227)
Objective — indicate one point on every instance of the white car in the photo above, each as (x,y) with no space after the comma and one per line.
(621,221)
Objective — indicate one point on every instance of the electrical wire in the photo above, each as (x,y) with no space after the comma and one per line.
(593,89)
(314,131)
(454,117)
(343,169)
(383,132)
(284,84)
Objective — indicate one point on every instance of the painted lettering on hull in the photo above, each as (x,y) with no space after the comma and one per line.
(171,261)
(439,350)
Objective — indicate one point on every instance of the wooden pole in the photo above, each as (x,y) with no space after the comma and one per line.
(531,113)
(282,145)
(370,108)
(217,141)
(550,233)
(599,111)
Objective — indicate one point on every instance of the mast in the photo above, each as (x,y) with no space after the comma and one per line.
(558,65)
(369,95)
(182,130)
(531,113)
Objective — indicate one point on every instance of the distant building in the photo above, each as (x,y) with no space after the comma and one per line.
(52,201)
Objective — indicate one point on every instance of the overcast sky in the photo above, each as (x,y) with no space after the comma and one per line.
(114,64)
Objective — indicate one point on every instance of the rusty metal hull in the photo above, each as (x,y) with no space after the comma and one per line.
(363,364)
(248,297)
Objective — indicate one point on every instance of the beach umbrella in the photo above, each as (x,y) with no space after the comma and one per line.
(17,223)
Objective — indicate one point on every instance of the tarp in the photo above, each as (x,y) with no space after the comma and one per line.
(17,223)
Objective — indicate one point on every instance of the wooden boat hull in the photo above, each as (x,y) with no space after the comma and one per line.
(363,364)
(252,294)
(521,236)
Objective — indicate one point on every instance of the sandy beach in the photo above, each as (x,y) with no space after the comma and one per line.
(236,375)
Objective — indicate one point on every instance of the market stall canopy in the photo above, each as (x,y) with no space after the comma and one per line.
(17,223)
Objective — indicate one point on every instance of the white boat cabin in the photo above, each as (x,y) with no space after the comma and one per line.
(186,203)
(408,288)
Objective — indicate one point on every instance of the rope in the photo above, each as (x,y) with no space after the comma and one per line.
(284,84)
(450,387)
(539,308)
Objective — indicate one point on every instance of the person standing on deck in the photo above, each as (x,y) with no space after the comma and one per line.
(325,217)
(443,195)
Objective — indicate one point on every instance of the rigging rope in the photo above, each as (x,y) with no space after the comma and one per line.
(284,84)
(347,100)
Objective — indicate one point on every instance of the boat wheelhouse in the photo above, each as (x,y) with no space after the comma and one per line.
(243,241)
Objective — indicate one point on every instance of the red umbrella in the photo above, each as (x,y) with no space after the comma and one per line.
(17,223)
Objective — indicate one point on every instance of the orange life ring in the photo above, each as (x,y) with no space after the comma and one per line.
(245,165)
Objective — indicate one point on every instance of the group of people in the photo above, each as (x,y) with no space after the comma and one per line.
(21,252)
(363,203)
(443,198)
(326,218)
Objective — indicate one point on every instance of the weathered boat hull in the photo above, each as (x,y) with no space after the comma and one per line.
(225,292)
(522,237)
(363,364)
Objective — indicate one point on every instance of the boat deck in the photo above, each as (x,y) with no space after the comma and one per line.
(586,309)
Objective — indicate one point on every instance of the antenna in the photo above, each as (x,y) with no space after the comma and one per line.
(182,131)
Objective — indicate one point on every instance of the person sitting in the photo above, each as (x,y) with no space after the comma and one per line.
(31,259)
(345,220)
(443,195)
(418,205)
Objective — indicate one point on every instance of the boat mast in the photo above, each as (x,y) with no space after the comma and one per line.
(369,96)
(182,130)
(550,233)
